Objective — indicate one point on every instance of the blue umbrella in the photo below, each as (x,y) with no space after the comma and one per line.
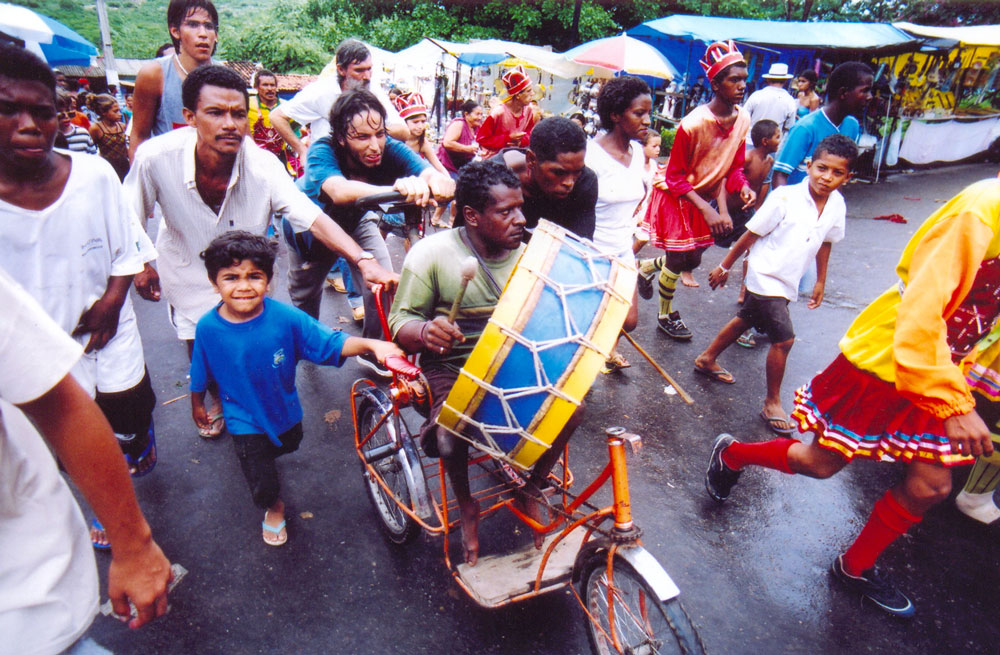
(60,45)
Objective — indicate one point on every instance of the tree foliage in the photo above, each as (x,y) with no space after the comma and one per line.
(301,35)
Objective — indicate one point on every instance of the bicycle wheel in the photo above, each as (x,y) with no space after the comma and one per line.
(643,623)
(399,527)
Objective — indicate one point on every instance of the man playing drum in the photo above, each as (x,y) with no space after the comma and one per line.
(488,201)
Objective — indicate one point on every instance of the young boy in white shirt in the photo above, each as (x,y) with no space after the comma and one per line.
(795,224)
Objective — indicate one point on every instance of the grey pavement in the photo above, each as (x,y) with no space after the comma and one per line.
(753,572)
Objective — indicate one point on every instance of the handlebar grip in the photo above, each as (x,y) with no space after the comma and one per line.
(402,366)
(379,199)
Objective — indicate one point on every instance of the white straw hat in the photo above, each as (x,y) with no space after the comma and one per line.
(778,72)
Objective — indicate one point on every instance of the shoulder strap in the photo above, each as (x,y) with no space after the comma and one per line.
(482,264)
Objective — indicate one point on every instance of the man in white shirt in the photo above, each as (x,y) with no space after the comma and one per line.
(773,101)
(210,178)
(311,106)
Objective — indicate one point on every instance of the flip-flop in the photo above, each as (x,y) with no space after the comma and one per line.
(94,523)
(719,375)
(276,531)
(147,455)
(747,340)
(773,420)
(218,425)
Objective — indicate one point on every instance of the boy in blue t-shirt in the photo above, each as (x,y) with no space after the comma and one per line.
(250,344)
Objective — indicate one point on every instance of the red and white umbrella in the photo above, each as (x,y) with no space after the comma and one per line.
(623,54)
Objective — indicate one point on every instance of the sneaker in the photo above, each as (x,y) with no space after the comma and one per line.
(875,585)
(720,479)
(645,284)
(674,327)
(368,361)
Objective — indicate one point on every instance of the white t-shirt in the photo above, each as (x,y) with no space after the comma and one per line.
(619,191)
(311,106)
(773,103)
(64,254)
(48,576)
(791,231)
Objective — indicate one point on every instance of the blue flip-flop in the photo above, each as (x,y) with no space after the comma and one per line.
(94,523)
(149,454)
(276,531)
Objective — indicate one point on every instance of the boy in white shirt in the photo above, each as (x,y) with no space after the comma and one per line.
(794,225)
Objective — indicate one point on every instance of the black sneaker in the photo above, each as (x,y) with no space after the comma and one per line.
(720,479)
(876,587)
(368,361)
(645,284)
(674,327)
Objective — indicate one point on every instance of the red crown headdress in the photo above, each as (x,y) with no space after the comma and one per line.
(410,104)
(719,56)
(516,81)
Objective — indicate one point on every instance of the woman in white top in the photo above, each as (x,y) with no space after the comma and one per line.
(616,156)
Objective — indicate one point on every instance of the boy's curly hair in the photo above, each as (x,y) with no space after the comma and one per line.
(231,248)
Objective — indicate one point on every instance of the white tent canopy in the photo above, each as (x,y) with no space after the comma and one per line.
(969,35)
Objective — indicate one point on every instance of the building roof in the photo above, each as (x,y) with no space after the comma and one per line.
(286,82)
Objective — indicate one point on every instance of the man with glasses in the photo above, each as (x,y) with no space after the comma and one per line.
(156,103)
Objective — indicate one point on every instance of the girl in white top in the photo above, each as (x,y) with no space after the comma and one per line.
(616,157)
(651,150)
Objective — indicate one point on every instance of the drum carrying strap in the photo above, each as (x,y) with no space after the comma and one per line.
(497,289)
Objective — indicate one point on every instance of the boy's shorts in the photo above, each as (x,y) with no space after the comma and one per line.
(740,218)
(768,314)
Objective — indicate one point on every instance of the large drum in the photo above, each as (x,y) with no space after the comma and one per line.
(552,330)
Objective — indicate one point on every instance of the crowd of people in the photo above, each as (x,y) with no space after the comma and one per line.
(218,170)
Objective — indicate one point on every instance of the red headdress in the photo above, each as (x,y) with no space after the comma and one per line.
(516,81)
(719,56)
(410,104)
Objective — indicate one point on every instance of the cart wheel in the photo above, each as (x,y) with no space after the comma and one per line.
(643,623)
(398,527)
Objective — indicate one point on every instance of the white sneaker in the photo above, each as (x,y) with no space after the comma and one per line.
(978,506)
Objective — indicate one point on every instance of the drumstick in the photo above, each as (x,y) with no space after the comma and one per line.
(469,267)
(666,376)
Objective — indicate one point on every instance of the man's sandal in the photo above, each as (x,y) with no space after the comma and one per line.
(146,461)
(218,425)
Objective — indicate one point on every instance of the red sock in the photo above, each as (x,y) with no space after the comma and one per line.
(888,521)
(771,454)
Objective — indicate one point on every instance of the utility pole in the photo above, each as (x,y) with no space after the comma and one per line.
(110,69)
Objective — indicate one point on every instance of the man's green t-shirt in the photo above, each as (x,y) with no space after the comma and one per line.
(429,282)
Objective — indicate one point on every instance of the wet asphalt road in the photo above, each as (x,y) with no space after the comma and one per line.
(753,573)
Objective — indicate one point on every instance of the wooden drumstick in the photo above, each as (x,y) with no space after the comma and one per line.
(469,267)
(659,369)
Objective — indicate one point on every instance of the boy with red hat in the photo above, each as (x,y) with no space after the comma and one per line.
(705,163)
(509,123)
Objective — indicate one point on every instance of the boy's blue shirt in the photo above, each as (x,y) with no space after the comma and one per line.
(803,138)
(254,364)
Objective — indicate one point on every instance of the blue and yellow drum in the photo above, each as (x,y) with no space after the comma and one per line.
(555,324)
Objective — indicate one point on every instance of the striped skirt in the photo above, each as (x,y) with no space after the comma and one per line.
(857,414)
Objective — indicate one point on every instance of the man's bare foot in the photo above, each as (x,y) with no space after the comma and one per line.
(470,532)
(532,502)
(687,279)
(274,531)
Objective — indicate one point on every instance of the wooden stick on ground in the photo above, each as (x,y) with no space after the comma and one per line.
(659,369)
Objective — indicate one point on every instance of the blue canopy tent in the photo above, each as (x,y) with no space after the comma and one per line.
(683,39)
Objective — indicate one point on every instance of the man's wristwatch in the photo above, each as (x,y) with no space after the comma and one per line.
(363,256)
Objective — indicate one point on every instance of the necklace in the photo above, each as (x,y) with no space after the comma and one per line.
(180,65)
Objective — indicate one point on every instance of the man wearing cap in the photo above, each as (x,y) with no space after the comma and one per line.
(705,163)
(510,123)
(773,101)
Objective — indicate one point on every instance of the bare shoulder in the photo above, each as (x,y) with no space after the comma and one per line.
(150,77)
